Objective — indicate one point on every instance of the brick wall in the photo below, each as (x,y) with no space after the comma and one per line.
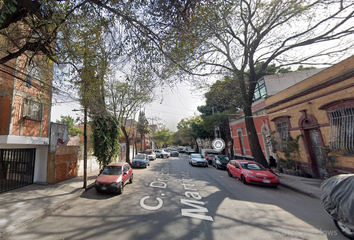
(65,163)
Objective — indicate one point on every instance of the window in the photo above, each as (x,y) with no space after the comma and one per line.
(236,165)
(283,131)
(32,110)
(242,143)
(342,129)
(260,90)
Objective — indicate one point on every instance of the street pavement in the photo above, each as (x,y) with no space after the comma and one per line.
(22,206)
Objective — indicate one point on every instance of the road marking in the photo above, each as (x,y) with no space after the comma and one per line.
(151,208)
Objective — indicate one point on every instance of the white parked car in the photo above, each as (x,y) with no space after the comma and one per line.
(151,154)
(161,153)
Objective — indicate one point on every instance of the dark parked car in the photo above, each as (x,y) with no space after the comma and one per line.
(220,161)
(114,177)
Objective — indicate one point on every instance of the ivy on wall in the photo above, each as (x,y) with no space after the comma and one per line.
(106,134)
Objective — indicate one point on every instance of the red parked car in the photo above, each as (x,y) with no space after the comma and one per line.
(251,172)
(114,177)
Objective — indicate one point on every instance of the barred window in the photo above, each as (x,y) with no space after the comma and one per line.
(342,129)
(32,110)
(283,131)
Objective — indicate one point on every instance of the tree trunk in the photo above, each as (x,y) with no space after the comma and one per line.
(127,156)
(256,149)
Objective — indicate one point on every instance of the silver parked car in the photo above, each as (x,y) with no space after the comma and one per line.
(197,160)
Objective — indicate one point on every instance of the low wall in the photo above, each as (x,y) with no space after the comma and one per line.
(67,162)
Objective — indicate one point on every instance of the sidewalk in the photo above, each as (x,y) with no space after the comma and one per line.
(307,186)
(26,204)
(23,205)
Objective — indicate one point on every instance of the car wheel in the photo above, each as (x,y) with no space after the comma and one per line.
(120,188)
(228,173)
(243,179)
(344,229)
(131,179)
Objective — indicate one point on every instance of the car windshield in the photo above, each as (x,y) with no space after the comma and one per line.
(197,156)
(140,156)
(211,155)
(253,166)
(112,170)
(223,159)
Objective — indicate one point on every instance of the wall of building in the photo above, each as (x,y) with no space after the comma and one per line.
(303,101)
(279,82)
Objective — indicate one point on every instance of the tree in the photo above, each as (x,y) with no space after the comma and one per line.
(70,122)
(163,137)
(243,37)
(124,98)
(189,129)
(143,127)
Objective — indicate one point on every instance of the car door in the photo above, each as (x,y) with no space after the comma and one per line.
(237,170)
(126,174)
(232,167)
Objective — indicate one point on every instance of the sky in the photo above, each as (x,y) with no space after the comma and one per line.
(170,106)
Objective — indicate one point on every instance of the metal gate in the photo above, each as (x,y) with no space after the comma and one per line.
(16,168)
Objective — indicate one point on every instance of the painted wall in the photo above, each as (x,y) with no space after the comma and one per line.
(303,104)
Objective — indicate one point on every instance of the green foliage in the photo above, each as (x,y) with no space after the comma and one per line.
(70,122)
(106,134)
(143,124)
(163,137)
(189,129)
(291,150)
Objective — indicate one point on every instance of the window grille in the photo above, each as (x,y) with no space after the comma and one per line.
(33,110)
(282,134)
(342,129)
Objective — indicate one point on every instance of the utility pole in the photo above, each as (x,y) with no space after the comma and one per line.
(85,148)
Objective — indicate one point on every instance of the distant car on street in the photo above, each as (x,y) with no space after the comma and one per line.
(220,161)
(197,160)
(174,153)
(160,153)
(251,172)
(141,160)
(151,154)
(190,151)
(114,177)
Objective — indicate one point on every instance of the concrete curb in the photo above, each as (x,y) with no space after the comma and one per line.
(299,190)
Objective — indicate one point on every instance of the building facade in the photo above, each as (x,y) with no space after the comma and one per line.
(25,98)
(266,86)
(317,116)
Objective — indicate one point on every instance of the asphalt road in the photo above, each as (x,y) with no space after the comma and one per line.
(173,200)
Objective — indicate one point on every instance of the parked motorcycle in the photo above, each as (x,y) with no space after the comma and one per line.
(337,195)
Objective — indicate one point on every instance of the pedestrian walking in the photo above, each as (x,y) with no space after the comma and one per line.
(273,164)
